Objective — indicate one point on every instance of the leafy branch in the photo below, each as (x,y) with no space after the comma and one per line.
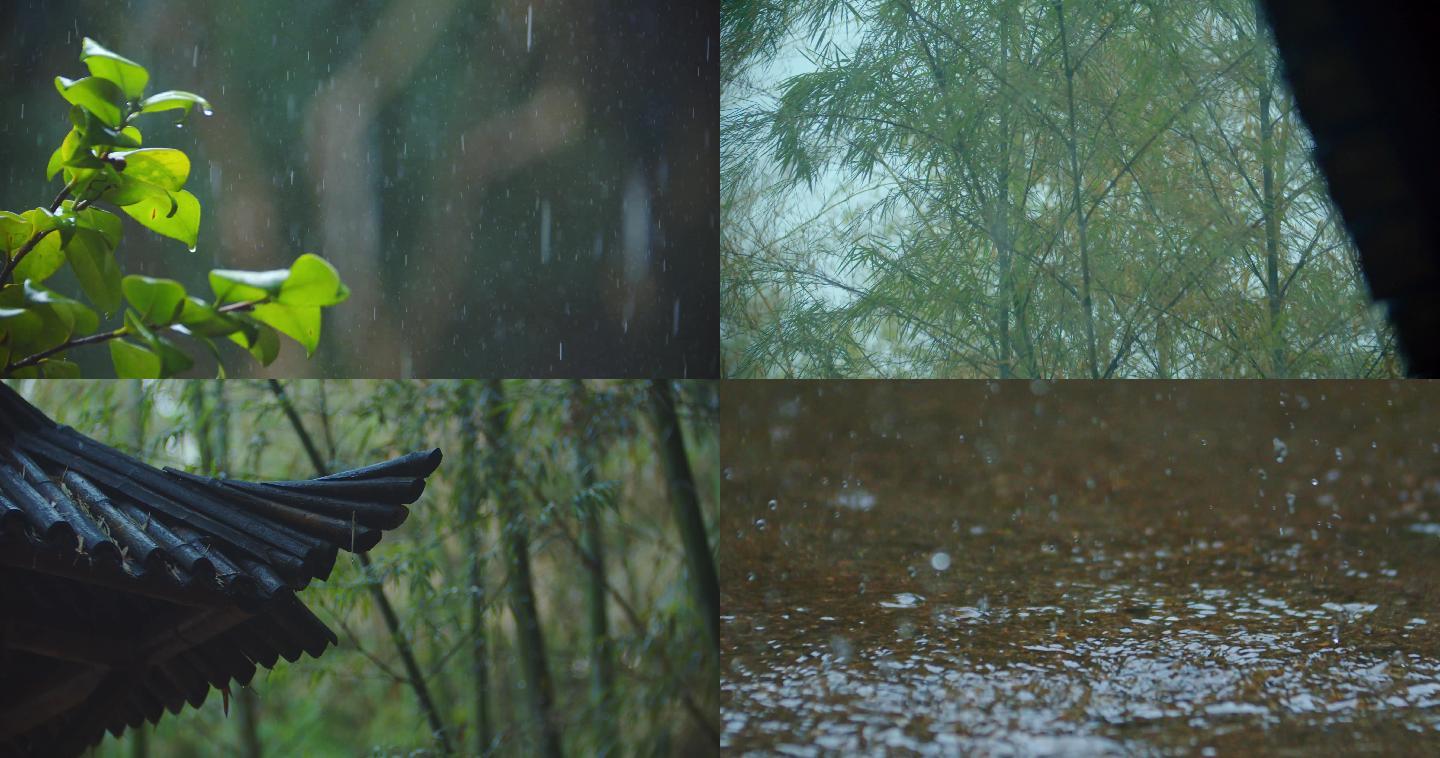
(101,160)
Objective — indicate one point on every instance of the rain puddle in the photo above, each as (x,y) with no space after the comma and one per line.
(1081,569)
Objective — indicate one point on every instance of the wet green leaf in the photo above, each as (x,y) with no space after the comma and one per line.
(14,230)
(134,361)
(130,77)
(201,319)
(103,222)
(53,319)
(175,100)
(298,322)
(45,258)
(162,167)
(92,258)
(234,286)
(99,97)
(65,153)
(261,340)
(157,301)
(181,222)
(312,281)
(130,190)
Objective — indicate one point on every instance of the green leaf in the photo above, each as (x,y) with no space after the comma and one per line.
(215,351)
(163,167)
(92,258)
(14,230)
(17,325)
(65,153)
(45,258)
(130,77)
(95,132)
(50,319)
(199,318)
(298,322)
(134,361)
(173,360)
(75,316)
(181,223)
(130,191)
(65,222)
(85,179)
(233,286)
(103,222)
(266,345)
(175,100)
(261,340)
(158,301)
(312,281)
(41,219)
(98,96)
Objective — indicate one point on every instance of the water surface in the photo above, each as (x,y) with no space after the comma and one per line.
(1081,568)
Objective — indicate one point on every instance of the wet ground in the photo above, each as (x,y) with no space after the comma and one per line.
(1081,569)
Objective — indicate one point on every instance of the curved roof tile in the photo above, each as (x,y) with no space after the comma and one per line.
(130,590)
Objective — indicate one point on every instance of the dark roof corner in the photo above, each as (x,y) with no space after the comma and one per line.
(127,590)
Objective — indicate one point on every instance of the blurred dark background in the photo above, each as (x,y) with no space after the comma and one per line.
(510,188)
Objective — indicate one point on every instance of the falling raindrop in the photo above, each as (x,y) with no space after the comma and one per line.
(545,231)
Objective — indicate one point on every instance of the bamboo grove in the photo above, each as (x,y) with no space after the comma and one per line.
(543,598)
(1022,188)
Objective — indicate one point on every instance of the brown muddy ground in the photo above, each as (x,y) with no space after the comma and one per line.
(1081,568)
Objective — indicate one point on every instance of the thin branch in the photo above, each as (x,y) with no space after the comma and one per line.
(95,339)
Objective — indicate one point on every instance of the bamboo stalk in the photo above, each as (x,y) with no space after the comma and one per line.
(593,546)
(516,538)
(686,501)
(387,611)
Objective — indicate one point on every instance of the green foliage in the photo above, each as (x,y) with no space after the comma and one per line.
(354,699)
(1004,188)
(101,160)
